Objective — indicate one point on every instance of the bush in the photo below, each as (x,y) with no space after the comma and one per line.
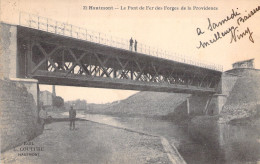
(58,101)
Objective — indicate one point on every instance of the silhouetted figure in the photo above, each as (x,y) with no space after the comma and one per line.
(131,44)
(72,117)
(135,45)
(43,116)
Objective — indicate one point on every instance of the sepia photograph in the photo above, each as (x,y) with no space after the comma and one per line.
(130,82)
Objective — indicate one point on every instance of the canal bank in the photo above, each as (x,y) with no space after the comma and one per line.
(203,142)
(198,143)
(92,143)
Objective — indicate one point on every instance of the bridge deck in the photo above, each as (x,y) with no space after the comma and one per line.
(52,78)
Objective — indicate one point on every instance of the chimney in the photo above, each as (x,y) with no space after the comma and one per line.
(53,91)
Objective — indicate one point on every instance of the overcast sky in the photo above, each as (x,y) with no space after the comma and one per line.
(166,29)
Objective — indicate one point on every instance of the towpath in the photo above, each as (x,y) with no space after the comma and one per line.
(91,143)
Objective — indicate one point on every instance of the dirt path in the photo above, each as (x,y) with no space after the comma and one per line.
(90,143)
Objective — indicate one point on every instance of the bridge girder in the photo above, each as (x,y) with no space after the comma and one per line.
(52,62)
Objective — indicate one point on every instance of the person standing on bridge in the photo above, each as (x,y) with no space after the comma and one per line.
(135,45)
(131,44)
(72,117)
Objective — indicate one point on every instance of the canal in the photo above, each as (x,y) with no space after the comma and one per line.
(212,143)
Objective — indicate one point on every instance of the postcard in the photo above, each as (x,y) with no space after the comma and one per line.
(95,81)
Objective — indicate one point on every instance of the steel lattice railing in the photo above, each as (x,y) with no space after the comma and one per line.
(60,28)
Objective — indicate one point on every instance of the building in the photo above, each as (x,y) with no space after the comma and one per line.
(46,98)
(244,64)
(76,104)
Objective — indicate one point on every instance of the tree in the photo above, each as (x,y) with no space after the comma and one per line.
(58,101)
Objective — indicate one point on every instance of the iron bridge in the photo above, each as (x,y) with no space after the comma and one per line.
(60,60)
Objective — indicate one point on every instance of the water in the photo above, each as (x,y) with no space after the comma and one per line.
(103,119)
(212,143)
(222,143)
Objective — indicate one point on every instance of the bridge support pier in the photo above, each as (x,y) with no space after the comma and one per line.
(220,100)
(32,87)
(8,51)
(215,104)
(10,58)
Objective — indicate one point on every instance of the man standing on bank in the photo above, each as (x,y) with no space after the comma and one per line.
(131,44)
(43,116)
(72,116)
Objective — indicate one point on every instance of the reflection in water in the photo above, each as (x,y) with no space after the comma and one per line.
(211,143)
(239,143)
(222,143)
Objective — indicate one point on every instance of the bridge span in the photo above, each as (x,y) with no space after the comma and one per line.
(59,60)
(51,57)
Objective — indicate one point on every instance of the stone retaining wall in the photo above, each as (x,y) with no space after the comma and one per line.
(244,97)
(18,115)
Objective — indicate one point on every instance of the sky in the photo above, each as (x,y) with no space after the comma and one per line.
(171,30)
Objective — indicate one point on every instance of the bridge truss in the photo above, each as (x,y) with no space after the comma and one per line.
(59,60)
